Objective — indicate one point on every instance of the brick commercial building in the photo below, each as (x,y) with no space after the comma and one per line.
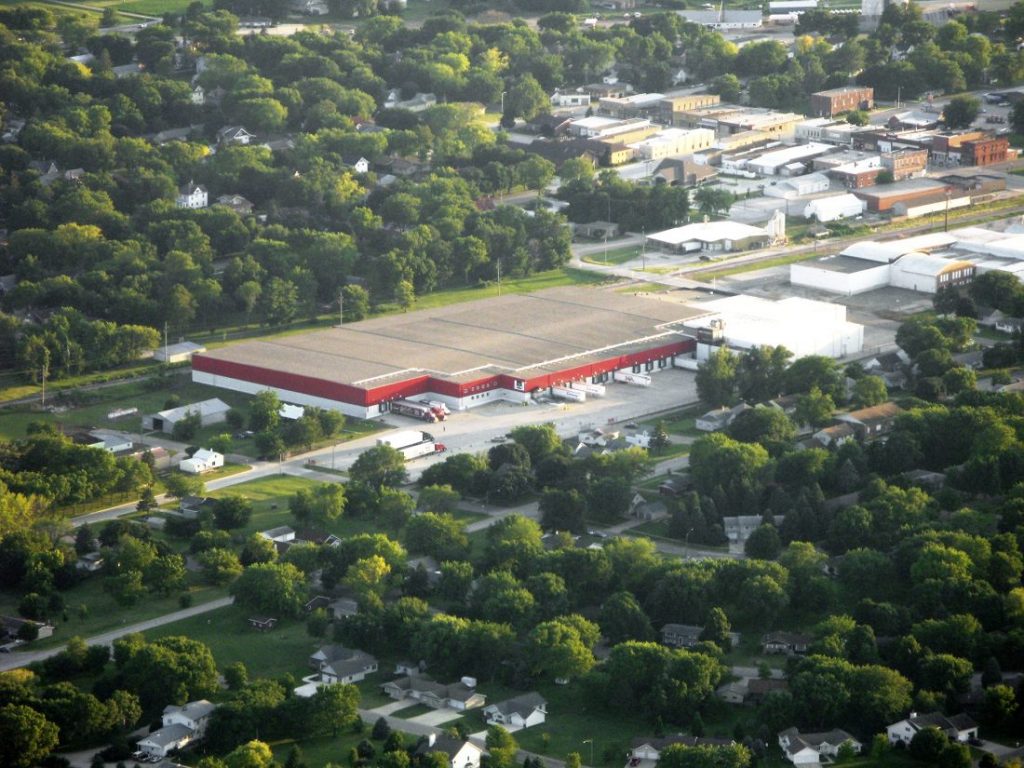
(832,102)
(986,151)
(882,198)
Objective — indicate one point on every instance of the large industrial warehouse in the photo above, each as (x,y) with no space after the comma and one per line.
(464,355)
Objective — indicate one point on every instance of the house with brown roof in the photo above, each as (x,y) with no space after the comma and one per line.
(874,422)
(459,696)
(785,642)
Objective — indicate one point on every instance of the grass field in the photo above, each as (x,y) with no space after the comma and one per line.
(284,650)
(89,408)
(678,422)
(614,255)
(103,612)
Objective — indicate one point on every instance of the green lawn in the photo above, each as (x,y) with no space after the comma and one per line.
(269,497)
(320,751)
(89,408)
(104,613)
(284,650)
(615,255)
(678,422)
(571,722)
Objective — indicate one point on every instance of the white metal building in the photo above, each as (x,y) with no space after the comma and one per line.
(781,161)
(710,236)
(850,275)
(834,207)
(798,186)
(802,326)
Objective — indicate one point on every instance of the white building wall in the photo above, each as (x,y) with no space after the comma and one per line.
(844,284)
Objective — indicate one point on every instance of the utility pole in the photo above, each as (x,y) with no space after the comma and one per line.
(499,276)
(341,307)
(167,358)
(643,248)
(945,223)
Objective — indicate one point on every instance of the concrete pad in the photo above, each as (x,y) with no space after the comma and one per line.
(388,709)
(437,717)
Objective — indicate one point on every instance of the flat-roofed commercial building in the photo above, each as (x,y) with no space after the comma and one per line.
(464,355)
(835,100)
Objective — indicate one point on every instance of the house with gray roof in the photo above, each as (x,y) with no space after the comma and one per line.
(815,748)
(521,712)
(181,727)
(955,727)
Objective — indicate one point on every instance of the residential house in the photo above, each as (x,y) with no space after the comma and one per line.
(720,418)
(47,170)
(234,134)
(198,96)
(12,625)
(91,562)
(676,485)
(236,203)
(739,527)
(280,534)
(203,460)
(213,411)
(521,712)
(191,507)
(357,163)
(680,635)
(732,693)
(810,748)
(459,696)
(786,642)
(874,422)
(181,726)
(461,753)
(642,509)
(834,435)
(192,196)
(646,750)
(955,727)
(337,664)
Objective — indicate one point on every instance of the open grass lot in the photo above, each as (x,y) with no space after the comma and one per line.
(103,612)
(614,255)
(284,650)
(89,408)
(320,751)
(570,723)
(537,282)
(678,422)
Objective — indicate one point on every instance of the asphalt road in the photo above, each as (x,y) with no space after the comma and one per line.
(16,659)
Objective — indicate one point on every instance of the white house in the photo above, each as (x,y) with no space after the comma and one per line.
(234,134)
(720,418)
(192,196)
(336,664)
(810,748)
(203,460)
(181,726)
(357,163)
(521,712)
(461,752)
(957,727)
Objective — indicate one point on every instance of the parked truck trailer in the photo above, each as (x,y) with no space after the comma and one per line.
(421,411)
(405,438)
(567,393)
(636,379)
(597,390)
(425,448)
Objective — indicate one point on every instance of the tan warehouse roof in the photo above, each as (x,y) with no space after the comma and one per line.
(549,330)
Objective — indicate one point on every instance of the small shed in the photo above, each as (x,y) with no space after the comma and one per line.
(262,623)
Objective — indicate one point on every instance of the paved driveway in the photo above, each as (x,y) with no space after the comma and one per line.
(437,717)
(388,709)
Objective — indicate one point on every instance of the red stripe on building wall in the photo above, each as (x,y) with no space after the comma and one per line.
(331,390)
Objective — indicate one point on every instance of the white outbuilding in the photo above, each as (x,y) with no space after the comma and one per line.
(834,207)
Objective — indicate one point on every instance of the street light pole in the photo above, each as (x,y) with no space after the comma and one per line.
(503,103)
(591,743)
